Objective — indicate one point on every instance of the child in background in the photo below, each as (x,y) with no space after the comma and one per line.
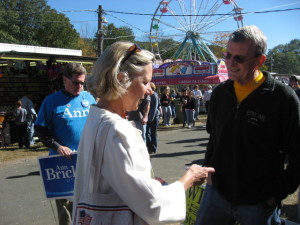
(20,118)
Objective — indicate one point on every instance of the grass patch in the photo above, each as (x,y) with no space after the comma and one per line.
(13,152)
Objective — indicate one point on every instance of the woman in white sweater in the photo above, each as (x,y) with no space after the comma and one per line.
(113,162)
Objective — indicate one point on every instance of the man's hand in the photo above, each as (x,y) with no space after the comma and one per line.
(64,151)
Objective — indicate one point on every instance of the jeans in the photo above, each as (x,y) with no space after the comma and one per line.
(151,135)
(197,108)
(173,110)
(142,128)
(189,116)
(167,114)
(215,210)
(30,132)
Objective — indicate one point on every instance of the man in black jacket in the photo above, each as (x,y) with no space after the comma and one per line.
(253,123)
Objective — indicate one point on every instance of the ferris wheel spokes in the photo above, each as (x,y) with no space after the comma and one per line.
(195,22)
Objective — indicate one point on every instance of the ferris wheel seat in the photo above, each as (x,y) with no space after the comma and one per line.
(164,2)
(238,9)
(238,18)
(226,2)
(164,10)
(155,26)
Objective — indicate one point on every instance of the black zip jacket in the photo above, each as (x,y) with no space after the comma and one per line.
(250,141)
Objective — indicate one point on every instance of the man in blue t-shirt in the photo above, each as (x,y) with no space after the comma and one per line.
(60,121)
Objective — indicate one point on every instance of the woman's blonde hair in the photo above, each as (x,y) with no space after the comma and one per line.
(104,82)
(166,90)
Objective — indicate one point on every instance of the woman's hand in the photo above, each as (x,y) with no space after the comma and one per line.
(195,175)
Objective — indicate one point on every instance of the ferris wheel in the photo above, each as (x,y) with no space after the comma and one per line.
(191,26)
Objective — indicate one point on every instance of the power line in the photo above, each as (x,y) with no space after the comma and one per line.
(147,14)
(163,15)
(216,14)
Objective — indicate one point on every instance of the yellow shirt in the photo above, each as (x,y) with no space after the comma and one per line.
(242,91)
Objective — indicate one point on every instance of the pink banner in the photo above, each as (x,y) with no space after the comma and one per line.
(215,79)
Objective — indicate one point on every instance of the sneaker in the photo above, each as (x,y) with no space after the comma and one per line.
(190,126)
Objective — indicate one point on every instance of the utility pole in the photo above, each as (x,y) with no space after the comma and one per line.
(100,32)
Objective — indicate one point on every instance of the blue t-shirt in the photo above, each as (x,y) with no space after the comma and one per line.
(65,116)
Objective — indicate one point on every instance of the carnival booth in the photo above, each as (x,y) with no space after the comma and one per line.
(190,72)
(179,74)
(30,69)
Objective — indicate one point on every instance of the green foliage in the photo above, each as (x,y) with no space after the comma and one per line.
(113,34)
(285,58)
(33,22)
(168,48)
(57,31)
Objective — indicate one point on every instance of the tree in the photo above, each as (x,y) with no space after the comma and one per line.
(57,31)
(113,34)
(88,47)
(9,28)
(285,58)
(33,22)
(168,48)
(219,44)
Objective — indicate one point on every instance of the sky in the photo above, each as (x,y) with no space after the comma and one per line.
(279,27)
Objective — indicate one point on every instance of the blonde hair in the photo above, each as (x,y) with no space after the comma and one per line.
(152,85)
(166,90)
(104,82)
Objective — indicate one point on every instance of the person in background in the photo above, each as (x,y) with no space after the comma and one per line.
(165,101)
(173,107)
(20,115)
(198,97)
(153,120)
(206,97)
(254,126)
(294,84)
(184,98)
(60,121)
(188,105)
(140,116)
(120,78)
(31,116)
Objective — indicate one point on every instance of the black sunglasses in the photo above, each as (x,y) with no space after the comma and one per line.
(77,82)
(132,49)
(237,58)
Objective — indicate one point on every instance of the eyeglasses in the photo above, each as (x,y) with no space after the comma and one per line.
(77,82)
(237,58)
(132,49)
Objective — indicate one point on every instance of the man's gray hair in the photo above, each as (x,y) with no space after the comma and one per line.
(252,33)
(74,69)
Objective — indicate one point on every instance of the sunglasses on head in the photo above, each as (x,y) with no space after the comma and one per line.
(237,58)
(132,49)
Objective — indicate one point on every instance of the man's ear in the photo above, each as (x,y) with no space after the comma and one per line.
(261,61)
(64,79)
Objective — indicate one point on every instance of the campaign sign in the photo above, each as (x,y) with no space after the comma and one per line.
(193,199)
(58,175)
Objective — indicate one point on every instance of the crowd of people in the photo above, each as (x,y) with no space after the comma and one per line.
(252,160)
(189,102)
